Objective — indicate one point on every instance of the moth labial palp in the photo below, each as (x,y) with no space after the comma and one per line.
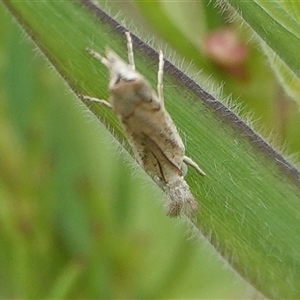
(149,128)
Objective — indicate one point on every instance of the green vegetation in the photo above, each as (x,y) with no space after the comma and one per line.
(80,220)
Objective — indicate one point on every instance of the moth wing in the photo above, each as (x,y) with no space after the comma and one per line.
(162,137)
(145,156)
(153,158)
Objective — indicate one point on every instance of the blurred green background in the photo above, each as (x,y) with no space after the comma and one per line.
(77,220)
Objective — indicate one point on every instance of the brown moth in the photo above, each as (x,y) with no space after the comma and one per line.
(149,128)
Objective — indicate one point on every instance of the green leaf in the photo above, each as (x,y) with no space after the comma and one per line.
(277,25)
(250,208)
(156,11)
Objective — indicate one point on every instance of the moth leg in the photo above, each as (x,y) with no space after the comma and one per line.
(100,101)
(130,50)
(190,162)
(160,74)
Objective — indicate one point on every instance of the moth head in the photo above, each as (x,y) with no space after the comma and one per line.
(119,70)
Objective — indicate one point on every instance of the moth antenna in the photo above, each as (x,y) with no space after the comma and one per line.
(97,56)
(160,75)
(130,50)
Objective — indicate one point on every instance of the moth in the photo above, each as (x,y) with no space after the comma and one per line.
(149,128)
